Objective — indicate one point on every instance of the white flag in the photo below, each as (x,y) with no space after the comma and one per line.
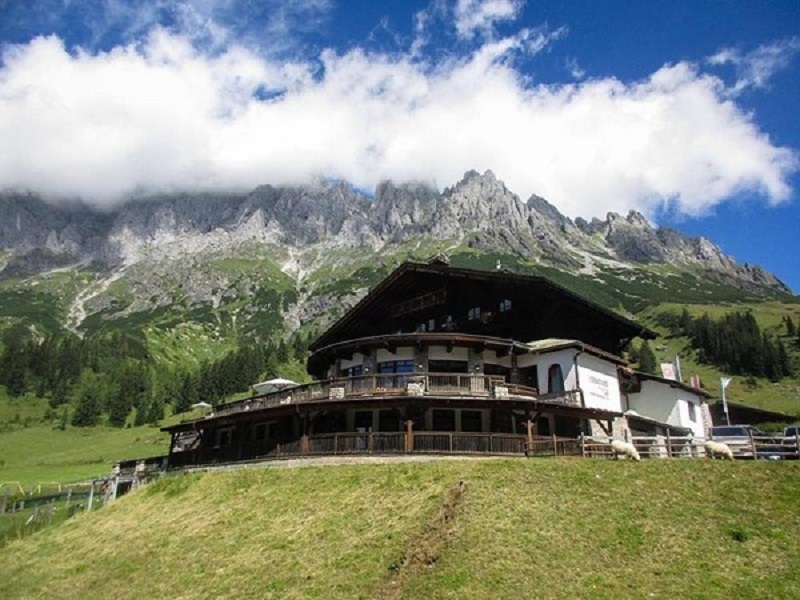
(724,381)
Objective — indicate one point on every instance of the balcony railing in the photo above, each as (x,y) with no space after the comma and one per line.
(399,384)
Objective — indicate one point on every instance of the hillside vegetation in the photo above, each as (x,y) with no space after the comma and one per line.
(548,528)
(780,396)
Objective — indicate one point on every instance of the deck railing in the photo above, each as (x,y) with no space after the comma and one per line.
(399,384)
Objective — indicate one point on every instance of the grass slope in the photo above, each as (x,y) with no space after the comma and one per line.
(783,396)
(43,453)
(522,528)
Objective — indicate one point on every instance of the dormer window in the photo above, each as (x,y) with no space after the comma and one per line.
(474,313)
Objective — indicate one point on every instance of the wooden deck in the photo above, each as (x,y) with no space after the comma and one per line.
(431,385)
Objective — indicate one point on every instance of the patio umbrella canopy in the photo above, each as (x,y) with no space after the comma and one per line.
(273,385)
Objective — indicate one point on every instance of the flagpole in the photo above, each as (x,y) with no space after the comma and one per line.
(723,383)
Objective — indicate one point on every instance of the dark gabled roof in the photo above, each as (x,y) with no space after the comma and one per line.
(750,414)
(437,267)
(672,383)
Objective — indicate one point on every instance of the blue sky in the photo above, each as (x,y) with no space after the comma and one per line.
(685,111)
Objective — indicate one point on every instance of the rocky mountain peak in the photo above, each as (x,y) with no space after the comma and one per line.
(479,211)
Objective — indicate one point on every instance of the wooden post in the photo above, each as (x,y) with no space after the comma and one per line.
(752,444)
(409,436)
(669,444)
(335,443)
(583,446)
(529,446)
(555,445)
(370,442)
(450,435)
(91,498)
(304,445)
(69,498)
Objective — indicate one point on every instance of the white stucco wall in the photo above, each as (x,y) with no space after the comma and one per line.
(599,381)
(656,401)
(527,360)
(358,359)
(667,404)
(441,353)
(684,399)
(490,357)
(564,358)
(402,353)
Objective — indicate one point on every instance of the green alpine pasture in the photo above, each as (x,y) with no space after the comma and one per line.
(536,528)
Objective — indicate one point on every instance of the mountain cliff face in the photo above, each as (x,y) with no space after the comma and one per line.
(210,249)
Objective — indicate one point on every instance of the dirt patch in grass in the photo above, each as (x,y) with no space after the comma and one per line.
(424,550)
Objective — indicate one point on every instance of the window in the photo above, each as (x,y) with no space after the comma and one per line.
(505,305)
(447,366)
(223,437)
(264,431)
(363,420)
(474,313)
(444,420)
(260,432)
(471,421)
(555,379)
(692,411)
(389,420)
(355,371)
(543,426)
(396,366)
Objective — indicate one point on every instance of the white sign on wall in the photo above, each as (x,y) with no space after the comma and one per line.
(668,371)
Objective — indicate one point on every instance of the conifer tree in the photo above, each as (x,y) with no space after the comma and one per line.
(89,401)
(187,393)
(646,358)
(283,352)
(791,331)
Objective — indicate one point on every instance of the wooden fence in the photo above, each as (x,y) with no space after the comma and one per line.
(444,442)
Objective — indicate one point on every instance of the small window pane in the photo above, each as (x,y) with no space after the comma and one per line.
(444,420)
(471,421)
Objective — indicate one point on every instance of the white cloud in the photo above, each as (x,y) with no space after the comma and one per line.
(162,116)
(754,69)
(480,16)
(575,70)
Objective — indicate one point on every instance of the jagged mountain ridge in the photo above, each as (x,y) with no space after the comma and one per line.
(479,210)
(191,273)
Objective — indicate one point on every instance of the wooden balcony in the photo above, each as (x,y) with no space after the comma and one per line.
(431,385)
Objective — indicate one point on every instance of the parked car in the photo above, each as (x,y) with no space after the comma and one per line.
(741,439)
(790,446)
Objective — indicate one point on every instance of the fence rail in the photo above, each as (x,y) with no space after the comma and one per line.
(445,442)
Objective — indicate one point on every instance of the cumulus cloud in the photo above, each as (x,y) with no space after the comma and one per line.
(754,69)
(161,115)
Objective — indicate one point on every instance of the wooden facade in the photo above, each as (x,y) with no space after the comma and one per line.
(434,359)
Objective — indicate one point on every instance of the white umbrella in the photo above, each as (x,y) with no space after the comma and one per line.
(273,385)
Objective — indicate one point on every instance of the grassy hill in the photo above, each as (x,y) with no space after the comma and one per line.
(783,396)
(548,528)
(34,450)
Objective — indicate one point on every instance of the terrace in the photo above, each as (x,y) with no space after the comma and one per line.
(421,385)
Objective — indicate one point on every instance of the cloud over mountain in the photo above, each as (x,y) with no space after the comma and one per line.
(162,114)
